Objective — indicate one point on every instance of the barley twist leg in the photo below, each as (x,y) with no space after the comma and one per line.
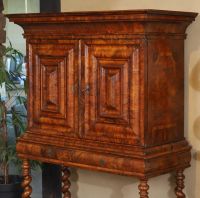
(66,183)
(180,184)
(27,180)
(143,188)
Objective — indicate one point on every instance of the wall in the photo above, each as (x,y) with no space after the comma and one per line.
(14,32)
(98,185)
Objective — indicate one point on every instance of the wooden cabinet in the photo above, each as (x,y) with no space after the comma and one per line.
(106,93)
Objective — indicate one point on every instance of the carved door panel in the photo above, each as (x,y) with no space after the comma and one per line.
(53,71)
(111,92)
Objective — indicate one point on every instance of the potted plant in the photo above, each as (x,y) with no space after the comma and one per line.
(9,79)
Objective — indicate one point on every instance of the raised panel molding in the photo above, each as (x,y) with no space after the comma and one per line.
(51,87)
(111,108)
(110,91)
(113,88)
(51,79)
(54,76)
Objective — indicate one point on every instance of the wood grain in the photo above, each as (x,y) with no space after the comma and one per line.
(106,91)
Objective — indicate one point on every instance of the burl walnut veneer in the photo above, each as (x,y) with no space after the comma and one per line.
(106,93)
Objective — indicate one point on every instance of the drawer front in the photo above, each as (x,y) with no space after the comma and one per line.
(52,68)
(111,91)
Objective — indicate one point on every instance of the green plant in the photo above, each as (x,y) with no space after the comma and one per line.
(7,147)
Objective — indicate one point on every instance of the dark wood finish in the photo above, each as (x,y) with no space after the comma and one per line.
(66,182)
(27,179)
(106,91)
(143,188)
(50,6)
(180,184)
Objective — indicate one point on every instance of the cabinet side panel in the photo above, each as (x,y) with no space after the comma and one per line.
(165,91)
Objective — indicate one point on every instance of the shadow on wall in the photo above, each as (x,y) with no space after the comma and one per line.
(192,45)
(92,184)
(196,128)
(192,48)
(196,153)
(105,181)
(193,41)
(195,82)
(172,184)
(73,179)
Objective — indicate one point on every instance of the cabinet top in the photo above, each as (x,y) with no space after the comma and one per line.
(102,16)
(109,23)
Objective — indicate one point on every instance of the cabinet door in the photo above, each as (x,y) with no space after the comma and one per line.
(111,91)
(52,73)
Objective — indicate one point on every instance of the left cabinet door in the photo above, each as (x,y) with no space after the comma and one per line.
(52,82)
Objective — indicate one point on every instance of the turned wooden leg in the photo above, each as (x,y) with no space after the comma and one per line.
(143,188)
(66,183)
(180,184)
(27,179)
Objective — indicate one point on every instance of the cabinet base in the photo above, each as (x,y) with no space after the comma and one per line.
(140,162)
